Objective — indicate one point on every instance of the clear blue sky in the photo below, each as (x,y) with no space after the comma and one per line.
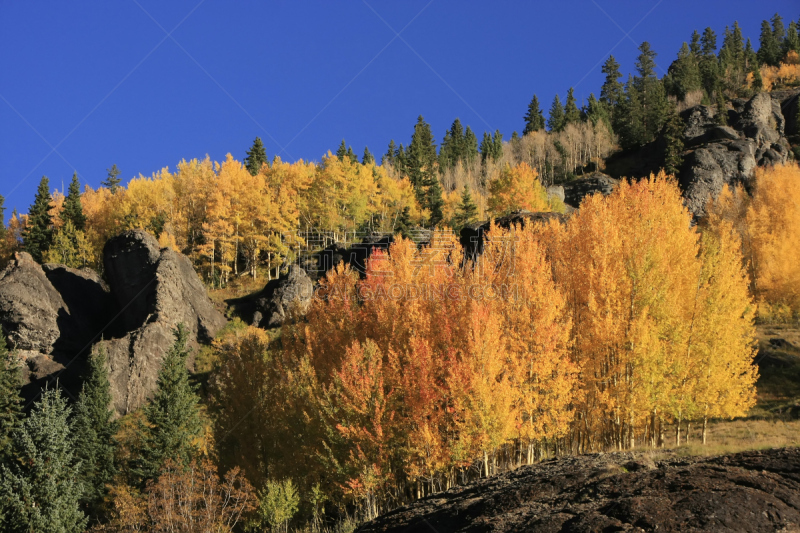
(145,83)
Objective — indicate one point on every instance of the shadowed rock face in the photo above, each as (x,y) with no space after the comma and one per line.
(727,155)
(53,315)
(155,291)
(30,307)
(750,491)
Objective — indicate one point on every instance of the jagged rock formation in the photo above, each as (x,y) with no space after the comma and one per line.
(53,315)
(30,307)
(726,155)
(270,307)
(155,290)
(750,491)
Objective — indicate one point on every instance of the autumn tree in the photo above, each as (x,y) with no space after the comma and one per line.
(516,188)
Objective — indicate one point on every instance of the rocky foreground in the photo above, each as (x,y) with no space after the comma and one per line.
(750,491)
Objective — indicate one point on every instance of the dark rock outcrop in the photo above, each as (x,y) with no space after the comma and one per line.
(270,307)
(750,491)
(576,190)
(30,307)
(90,307)
(155,291)
(727,155)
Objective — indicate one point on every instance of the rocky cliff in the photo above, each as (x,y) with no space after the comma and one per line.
(53,315)
(750,491)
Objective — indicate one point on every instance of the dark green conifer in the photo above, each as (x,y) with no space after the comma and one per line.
(40,491)
(769,51)
(722,109)
(694,44)
(673,136)
(341,152)
(534,118)
(3,229)
(39,231)
(113,180)
(172,418)
(467,212)
(10,400)
(256,157)
(421,161)
(487,147)
(94,428)
(611,91)
(73,209)
(470,146)
(368,158)
(792,41)
(572,115)
(389,156)
(556,121)
(403,226)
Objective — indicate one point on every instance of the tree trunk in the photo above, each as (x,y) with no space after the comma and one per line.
(705,427)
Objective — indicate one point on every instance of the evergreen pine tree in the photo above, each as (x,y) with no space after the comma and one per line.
(778,29)
(3,229)
(40,491)
(514,136)
(497,145)
(722,109)
(39,231)
(404,223)
(673,137)
(556,121)
(487,147)
(792,41)
(351,155)
(421,162)
(94,428)
(256,157)
(650,93)
(470,148)
(597,112)
(769,51)
(534,118)
(750,57)
(694,44)
(341,152)
(572,115)
(10,400)
(388,157)
(467,212)
(172,418)
(73,210)
(368,158)
(434,201)
(709,64)
(684,76)
(611,91)
(113,180)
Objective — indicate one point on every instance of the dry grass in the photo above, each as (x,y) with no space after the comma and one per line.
(775,420)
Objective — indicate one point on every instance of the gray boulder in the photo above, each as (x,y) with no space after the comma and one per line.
(728,155)
(292,292)
(30,307)
(576,190)
(155,291)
